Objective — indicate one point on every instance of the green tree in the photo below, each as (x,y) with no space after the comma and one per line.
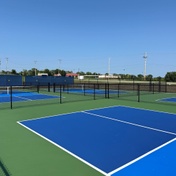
(13,72)
(88,73)
(47,71)
(63,73)
(140,77)
(24,72)
(170,77)
(149,77)
(80,73)
(32,72)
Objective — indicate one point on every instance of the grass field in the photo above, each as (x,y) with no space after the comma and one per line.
(23,153)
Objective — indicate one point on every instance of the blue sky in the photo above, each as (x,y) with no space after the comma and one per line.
(81,35)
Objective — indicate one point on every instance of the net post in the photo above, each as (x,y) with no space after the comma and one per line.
(94,91)
(54,87)
(11,97)
(38,87)
(48,87)
(159,84)
(108,90)
(118,91)
(150,85)
(138,92)
(84,88)
(153,88)
(105,90)
(60,94)
(133,83)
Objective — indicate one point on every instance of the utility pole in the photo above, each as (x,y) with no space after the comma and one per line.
(145,64)
(6,63)
(0,66)
(59,66)
(35,67)
(109,66)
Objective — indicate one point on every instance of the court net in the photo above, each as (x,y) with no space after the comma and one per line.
(18,89)
(16,95)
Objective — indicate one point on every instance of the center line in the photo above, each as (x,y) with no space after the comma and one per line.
(130,123)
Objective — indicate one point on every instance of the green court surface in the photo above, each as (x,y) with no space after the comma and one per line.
(24,153)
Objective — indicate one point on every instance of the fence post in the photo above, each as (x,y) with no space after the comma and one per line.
(48,87)
(138,92)
(38,88)
(105,90)
(60,94)
(159,85)
(54,87)
(10,97)
(153,88)
(84,88)
(118,90)
(150,85)
(108,90)
(94,91)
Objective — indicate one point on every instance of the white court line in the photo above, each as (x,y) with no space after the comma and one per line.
(152,110)
(64,149)
(28,99)
(130,123)
(63,114)
(22,98)
(164,100)
(106,174)
(137,159)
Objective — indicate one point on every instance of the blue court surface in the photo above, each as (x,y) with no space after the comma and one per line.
(117,141)
(26,96)
(171,100)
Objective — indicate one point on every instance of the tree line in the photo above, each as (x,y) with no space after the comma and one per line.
(169,77)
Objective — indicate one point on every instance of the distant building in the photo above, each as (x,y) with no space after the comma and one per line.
(57,74)
(75,75)
(108,76)
(42,74)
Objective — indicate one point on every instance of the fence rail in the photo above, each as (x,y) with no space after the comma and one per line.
(17,96)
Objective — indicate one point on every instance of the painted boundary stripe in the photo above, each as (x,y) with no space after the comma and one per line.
(62,148)
(141,157)
(147,109)
(167,100)
(129,123)
(62,114)
(28,99)
(48,97)
(118,169)
(50,116)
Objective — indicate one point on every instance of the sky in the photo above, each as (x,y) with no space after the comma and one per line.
(102,36)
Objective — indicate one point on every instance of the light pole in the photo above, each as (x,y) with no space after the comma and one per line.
(35,68)
(145,64)
(109,66)
(59,66)
(6,63)
(0,66)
